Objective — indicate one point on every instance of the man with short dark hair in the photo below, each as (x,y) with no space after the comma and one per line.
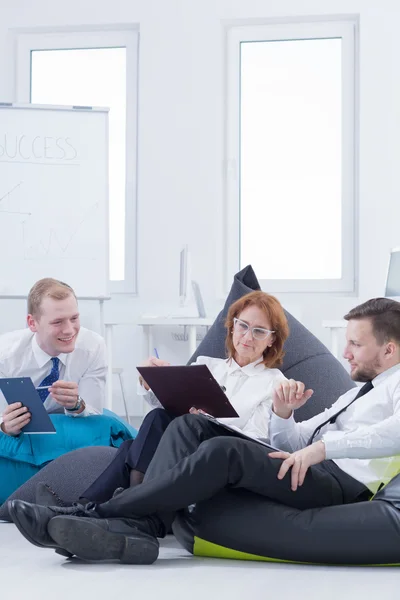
(337,457)
(64,360)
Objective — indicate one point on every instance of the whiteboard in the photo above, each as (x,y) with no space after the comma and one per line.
(53,198)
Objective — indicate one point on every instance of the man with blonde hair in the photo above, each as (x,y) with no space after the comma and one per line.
(65,360)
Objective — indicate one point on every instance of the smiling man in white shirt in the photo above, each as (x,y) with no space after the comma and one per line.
(64,359)
(336,457)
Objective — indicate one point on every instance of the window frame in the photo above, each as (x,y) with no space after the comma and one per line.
(235,35)
(26,43)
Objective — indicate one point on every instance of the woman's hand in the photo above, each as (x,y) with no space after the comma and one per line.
(288,396)
(152,361)
(196,411)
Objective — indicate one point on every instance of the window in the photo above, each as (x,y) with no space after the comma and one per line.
(90,69)
(290,186)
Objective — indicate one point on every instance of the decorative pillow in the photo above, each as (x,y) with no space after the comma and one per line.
(306,358)
(69,475)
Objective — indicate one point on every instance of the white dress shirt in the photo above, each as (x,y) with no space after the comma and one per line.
(248,388)
(21,356)
(364,439)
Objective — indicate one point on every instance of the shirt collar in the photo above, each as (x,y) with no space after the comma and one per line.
(251,369)
(42,357)
(382,376)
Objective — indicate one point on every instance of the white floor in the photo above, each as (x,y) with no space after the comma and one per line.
(34,573)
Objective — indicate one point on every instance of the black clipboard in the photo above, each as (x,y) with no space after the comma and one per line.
(21,389)
(180,388)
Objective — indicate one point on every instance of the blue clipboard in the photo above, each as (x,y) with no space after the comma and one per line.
(21,389)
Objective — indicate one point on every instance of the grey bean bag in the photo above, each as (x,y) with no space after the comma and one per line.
(306,358)
(69,475)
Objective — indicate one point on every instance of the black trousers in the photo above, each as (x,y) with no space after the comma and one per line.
(196,459)
(132,454)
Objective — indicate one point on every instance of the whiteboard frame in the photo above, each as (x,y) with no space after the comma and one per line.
(87,109)
(89,37)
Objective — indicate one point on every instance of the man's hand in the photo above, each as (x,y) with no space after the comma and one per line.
(152,361)
(15,417)
(288,396)
(299,462)
(65,393)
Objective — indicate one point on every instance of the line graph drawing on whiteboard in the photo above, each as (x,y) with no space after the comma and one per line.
(56,233)
(57,241)
(6,199)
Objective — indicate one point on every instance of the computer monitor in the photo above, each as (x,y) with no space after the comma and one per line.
(199,300)
(393,275)
(189,290)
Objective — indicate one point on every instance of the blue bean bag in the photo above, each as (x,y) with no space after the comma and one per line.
(23,456)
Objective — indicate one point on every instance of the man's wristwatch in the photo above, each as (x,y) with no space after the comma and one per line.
(79,403)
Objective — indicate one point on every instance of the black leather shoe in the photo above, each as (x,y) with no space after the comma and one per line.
(45,496)
(130,541)
(32,520)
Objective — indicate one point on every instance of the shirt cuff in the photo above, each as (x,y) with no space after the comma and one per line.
(277,424)
(84,413)
(336,445)
(141,390)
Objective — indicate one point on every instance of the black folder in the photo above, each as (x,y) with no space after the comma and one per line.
(21,389)
(181,388)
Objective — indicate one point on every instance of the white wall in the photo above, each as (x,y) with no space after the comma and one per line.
(181,145)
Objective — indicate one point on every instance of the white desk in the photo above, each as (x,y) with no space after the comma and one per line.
(191,323)
(335,327)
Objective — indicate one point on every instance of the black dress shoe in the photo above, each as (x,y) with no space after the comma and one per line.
(45,496)
(32,520)
(131,541)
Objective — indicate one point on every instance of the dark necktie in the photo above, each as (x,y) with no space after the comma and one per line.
(367,387)
(51,378)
